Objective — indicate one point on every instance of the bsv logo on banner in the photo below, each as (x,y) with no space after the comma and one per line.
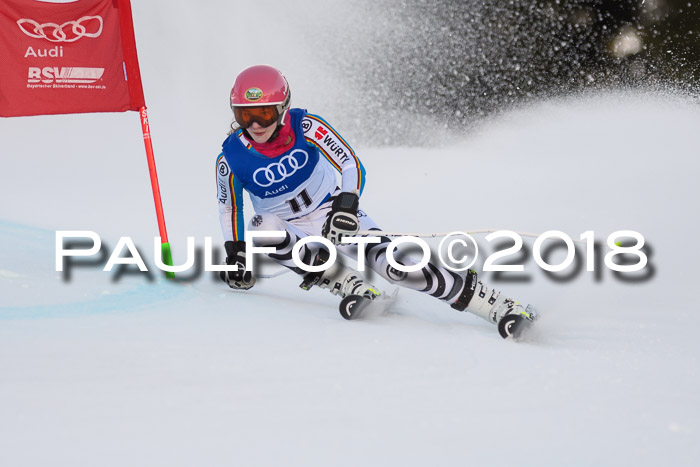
(66,32)
(75,75)
(279,171)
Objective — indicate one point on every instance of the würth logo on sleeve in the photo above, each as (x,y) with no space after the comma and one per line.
(71,31)
(321,132)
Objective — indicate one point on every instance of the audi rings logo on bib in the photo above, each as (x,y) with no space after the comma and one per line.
(71,31)
(279,171)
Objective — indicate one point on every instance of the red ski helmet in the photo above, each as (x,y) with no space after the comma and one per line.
(260,93)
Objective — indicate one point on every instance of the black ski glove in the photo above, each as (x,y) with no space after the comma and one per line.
(241,279)
(342,218)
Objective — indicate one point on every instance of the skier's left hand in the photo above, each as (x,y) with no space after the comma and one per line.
(342,218)
(242,279)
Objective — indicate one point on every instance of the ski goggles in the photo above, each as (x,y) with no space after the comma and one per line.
(264,115)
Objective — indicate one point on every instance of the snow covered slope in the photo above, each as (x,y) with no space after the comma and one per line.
(131,369)
(128,369)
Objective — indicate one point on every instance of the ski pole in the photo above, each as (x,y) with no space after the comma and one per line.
(420,235)
(274,274)
(445,234)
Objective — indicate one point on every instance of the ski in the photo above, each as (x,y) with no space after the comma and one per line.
(513,326)
(356,306)
(353,306)
(516,325)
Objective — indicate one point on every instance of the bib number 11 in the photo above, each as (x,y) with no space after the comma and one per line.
(302,198)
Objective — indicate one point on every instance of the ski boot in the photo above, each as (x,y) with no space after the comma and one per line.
(339,279)
(509,316)
(356,293)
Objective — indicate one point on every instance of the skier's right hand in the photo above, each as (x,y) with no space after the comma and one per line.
(341,220)
(241,279)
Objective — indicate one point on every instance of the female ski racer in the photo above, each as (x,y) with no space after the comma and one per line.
(287,160)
